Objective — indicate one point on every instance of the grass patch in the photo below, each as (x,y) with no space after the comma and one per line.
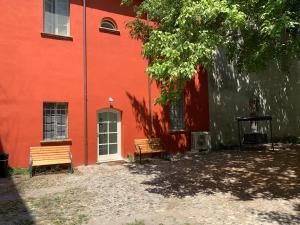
(18,171)
(141,222)
(61,208)
(130,158)
(136,222)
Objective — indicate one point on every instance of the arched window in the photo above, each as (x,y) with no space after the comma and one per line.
(109,26)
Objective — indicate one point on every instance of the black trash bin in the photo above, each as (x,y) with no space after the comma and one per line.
(3,165)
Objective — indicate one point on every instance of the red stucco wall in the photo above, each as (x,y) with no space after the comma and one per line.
(196,115)
(34,69)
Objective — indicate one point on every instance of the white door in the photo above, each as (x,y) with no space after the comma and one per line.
(109,135)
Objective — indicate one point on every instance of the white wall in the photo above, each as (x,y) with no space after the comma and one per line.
(229,93)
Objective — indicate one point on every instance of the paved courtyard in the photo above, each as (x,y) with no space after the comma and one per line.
(226,187)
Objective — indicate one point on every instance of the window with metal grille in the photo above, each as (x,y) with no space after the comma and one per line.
(55,121)
(57,17)
(177,115)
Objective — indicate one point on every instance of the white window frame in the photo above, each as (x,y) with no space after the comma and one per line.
(56,137)
(110,157)
(113,28)
(109,22)
(55,18)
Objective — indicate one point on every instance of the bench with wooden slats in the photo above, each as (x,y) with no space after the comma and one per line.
(148,146)
(50,155)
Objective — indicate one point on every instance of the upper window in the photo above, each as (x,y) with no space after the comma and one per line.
(55,121)
(108,25)
(177,115)
(57,17)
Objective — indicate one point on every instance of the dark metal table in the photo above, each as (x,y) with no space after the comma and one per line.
(240,121)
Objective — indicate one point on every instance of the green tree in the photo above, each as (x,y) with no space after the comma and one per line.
(178,35)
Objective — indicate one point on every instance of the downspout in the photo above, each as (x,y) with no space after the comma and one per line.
(150,106)
(150,97)
(85,87)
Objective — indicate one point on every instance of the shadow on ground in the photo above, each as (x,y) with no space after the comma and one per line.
(246,175)
(13,209)
(280,218)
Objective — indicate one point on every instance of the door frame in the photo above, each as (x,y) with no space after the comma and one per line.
(118,155)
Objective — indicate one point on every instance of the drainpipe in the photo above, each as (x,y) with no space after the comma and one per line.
(150,96)
(85,87)
(150,107)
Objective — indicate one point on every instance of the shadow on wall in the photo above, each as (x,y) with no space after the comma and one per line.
(160,125)
(112,6)
(244,175)
(195,116)
(196,104)
(1,147)
(230,91)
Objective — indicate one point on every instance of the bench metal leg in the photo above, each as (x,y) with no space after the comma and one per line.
(30,167)
(140,156)
(71,170)
(30,171)
(140,150)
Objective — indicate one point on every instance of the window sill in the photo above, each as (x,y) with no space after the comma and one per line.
(56,36)
(106,30)
(177,131)
(56,142)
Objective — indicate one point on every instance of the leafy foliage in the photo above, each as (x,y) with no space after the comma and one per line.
(179,35)
(271,32)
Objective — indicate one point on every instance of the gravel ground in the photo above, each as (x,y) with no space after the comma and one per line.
(227,187)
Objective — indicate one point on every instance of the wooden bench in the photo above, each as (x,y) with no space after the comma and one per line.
(50,155)
(148,146)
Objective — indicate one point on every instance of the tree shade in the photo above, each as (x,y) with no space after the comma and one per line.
(179,35)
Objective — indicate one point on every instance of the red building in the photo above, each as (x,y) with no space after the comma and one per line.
(49,94)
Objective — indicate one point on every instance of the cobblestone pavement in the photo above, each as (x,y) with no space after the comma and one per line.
(227,187)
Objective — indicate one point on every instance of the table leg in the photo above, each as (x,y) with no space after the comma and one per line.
(240,142)
(271,132)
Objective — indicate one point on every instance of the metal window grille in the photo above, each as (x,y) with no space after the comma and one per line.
(55,121)
(177,115)
(57,17)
